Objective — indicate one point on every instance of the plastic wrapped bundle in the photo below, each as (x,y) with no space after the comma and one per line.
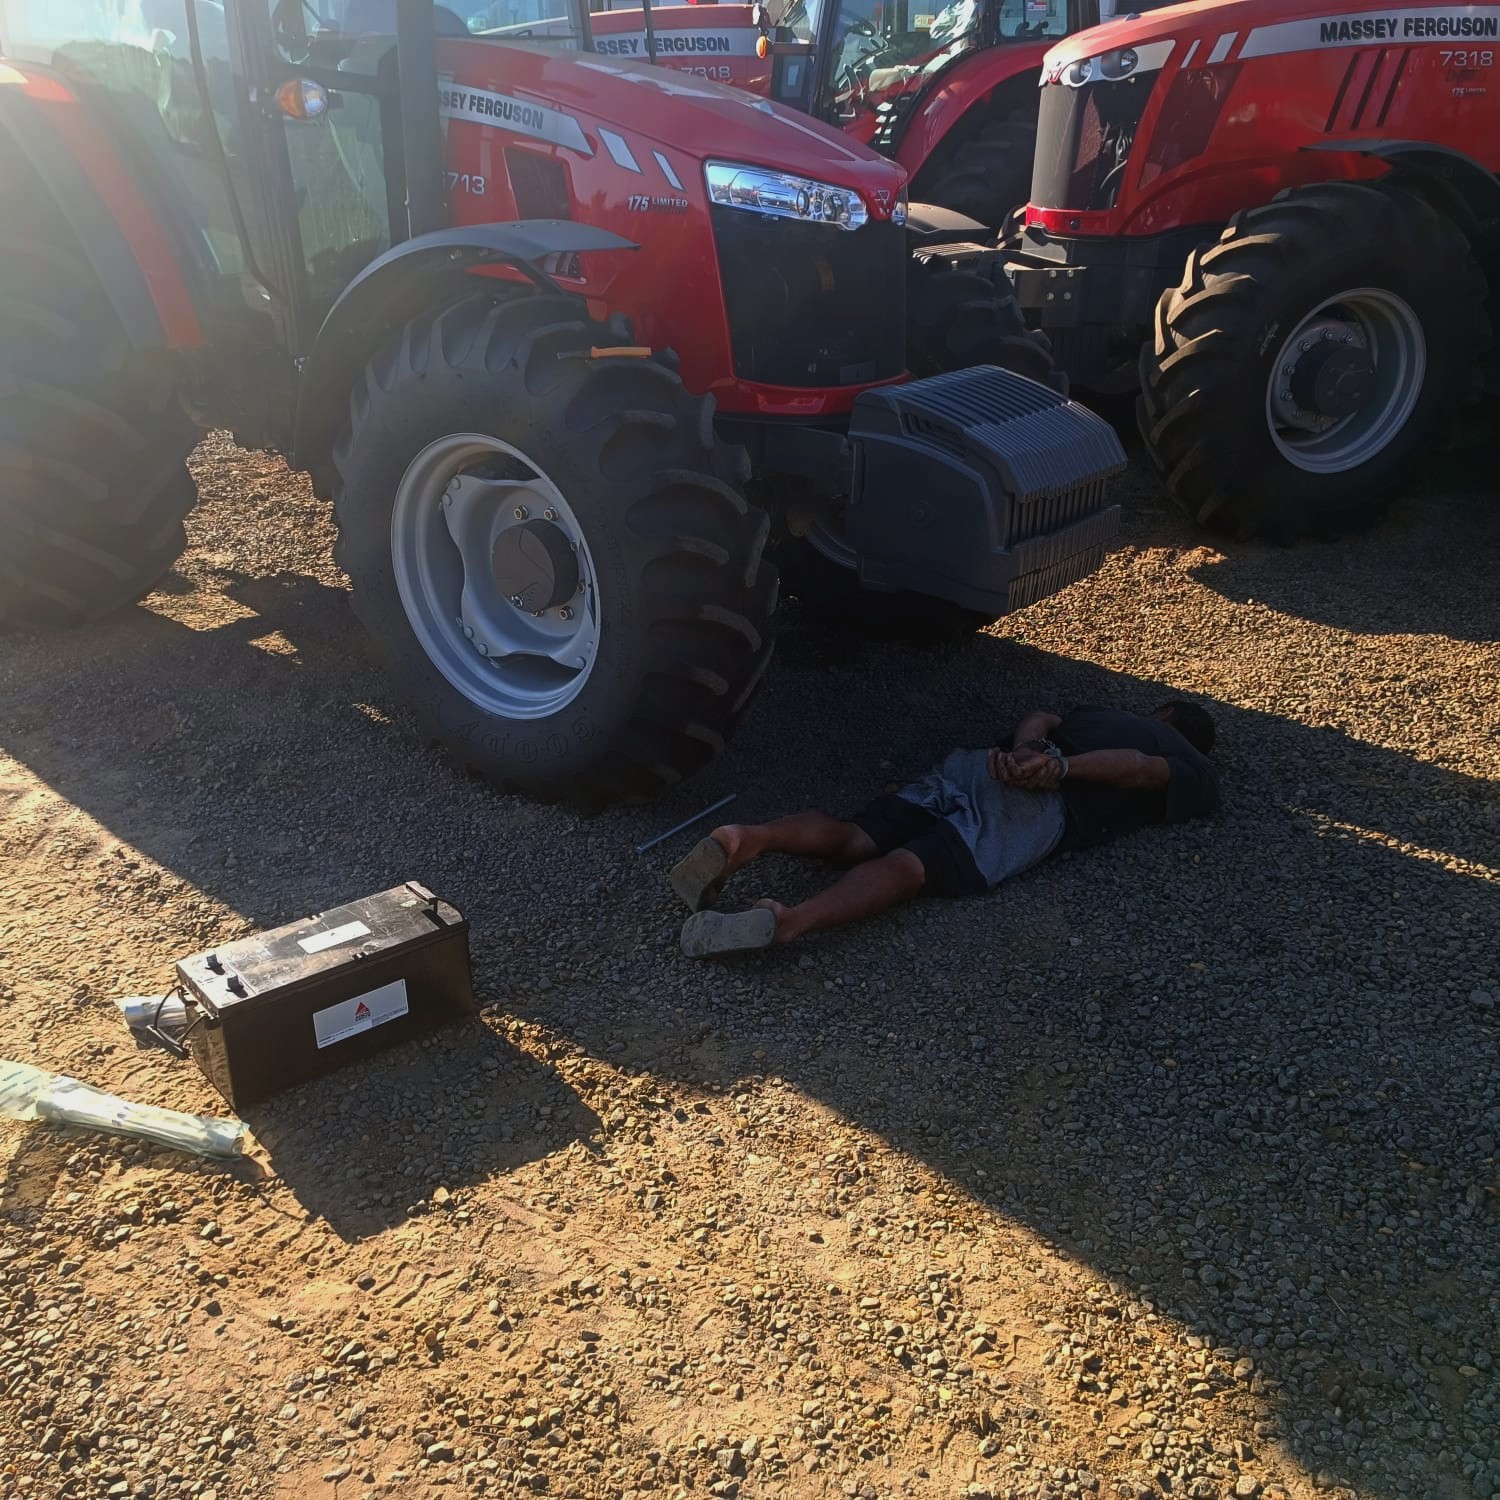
(28,1093)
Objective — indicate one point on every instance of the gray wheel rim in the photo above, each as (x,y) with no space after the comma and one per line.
(1387,329)
(452,505)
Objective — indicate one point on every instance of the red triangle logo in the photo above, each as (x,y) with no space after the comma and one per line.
(362,1012)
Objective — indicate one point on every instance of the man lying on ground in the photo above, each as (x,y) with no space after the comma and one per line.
(1067,783)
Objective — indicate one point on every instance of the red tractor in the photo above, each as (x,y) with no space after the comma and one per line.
(1282,224)
(947,87)
(569,342)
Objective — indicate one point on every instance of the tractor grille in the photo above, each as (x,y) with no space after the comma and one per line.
(1084,138)
(811,305)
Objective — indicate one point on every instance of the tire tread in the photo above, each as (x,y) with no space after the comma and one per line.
(93,478)
(694,543)
(1203,326)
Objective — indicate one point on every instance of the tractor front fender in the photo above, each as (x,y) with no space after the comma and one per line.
(408,280)
(1006,75)
(1456,185)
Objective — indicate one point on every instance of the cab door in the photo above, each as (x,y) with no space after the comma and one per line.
(321,122)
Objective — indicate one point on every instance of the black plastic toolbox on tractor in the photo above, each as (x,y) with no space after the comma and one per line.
(980,487)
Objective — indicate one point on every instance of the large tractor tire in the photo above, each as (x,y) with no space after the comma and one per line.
(988,175)
(93,483)
(955,319)
(552,552)
(1310,358)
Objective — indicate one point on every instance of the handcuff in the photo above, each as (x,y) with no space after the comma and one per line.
(1047,747)
(1055,751)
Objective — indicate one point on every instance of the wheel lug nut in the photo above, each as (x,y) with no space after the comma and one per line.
(566,613)
(516,600)
(521,513)
(468,632)
(1287,369)
(1305,345)
(549,514)
(1286,395)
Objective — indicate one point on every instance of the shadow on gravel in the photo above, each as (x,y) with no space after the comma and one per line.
(405,1132)
(1244,1070)
(211,748)
(1237,1067)
(1399,579)
(1421,571)
(33,1173)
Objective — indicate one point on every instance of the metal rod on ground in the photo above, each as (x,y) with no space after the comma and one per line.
(661,838)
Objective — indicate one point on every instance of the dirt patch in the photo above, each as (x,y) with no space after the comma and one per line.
(1140,1178)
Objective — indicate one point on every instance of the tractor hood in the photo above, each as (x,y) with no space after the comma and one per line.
(596,105)
(1152,37)
(1210,30)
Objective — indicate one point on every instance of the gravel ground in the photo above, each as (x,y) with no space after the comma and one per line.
(1168,1170)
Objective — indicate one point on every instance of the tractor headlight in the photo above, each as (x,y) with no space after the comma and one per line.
(779,195)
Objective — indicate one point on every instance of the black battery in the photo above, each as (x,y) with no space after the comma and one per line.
(278,1008)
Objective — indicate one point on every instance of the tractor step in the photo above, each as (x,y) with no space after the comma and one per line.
(979,487)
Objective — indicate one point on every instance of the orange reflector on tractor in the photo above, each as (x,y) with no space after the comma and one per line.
(302,99)
(762,46)
(37,86)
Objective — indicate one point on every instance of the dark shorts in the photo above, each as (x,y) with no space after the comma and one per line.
(894,823)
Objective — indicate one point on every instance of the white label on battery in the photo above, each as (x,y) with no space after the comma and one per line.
(333,937)
(363,1013)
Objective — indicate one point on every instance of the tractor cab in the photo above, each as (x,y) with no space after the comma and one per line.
(864,65)
(285,144)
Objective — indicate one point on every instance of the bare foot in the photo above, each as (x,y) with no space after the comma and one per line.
(786,928)
(700,876)
(730,837)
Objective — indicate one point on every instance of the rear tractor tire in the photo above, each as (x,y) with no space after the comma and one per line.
(1310,358)
(551,551)
(988,176)
(93,480)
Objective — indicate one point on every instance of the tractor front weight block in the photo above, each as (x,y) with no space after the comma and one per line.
(979,487)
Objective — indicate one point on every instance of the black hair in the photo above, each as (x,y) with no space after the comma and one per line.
(1192,722)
